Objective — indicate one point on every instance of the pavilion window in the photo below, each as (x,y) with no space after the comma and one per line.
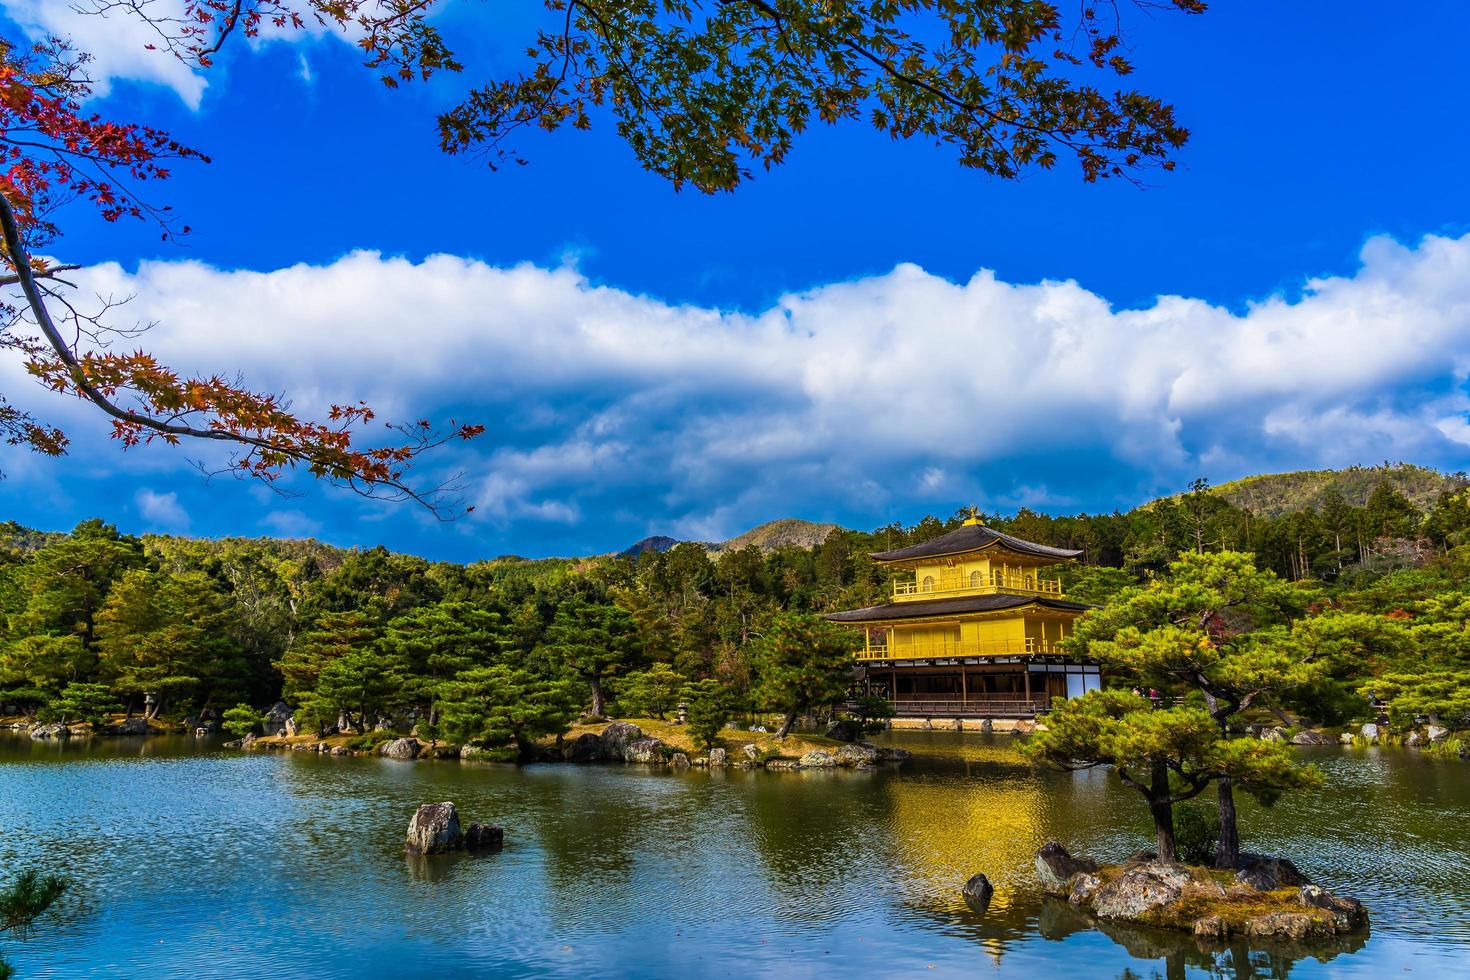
(928,585)
(975,580)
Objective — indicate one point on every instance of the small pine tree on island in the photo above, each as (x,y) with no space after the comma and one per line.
(1168,755)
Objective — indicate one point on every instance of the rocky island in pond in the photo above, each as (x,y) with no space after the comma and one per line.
(1266,898)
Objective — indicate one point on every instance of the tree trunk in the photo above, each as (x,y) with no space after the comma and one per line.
(598,704)
(785,728)
(1163,812)
(1227,850)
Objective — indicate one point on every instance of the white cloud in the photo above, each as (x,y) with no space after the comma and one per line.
(848,393)
(118,43)
(162,510)
(124,47)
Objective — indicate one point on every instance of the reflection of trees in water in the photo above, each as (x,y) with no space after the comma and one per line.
(1237,959)
(819,836)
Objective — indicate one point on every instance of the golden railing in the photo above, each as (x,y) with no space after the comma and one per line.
(953,649)
(986,585)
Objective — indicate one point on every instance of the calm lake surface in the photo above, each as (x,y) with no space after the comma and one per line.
(193,861)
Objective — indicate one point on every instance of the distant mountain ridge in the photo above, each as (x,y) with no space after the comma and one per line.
(656,542)
(783,533)
(1274,494)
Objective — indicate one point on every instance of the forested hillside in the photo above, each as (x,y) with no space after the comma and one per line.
(1275,494)
(95,620)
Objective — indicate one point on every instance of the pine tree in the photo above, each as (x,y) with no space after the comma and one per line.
(594,641)
(803,662)
(496,705)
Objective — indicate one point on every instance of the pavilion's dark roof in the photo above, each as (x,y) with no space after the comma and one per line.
(920,608)
(972,537)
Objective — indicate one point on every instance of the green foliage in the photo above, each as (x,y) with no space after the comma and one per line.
(711,706)
(1197,832)
(335,635)
(24,901)
(495,705)
(594,641)
(1442,695)
(361,684)
(1167,754)
(804,662)
(80,702)
(242,720)
(872,711)
(651,693)
(170,635)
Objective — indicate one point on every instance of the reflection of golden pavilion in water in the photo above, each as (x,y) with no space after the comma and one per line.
(944,830)
(976,632)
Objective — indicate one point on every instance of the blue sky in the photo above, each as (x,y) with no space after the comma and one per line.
(868,333)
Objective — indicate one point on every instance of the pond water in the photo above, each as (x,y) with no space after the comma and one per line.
(194,861)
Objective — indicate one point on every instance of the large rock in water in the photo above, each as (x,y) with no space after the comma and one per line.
(1309,737)
(400,748)
(434,829)
(1140,889)
(644,750)
(484,837)
(1437,733)
(977,892)
(1055,867)
(56,730)
(818,759)
(855,755)
(717,756)
(1369,731)
(616,738)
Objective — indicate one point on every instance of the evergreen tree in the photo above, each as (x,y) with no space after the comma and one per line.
(80,702)
(169,635)
(1197,629)
(803,662)
(499,704)
(1168,755)
(335,635)
(711,706)
(594,641)
(434,643)
(24,901)
(362,684)
(66,582)
(651,693)
(1389,514)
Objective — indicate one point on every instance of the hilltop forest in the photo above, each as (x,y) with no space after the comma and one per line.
(96,621)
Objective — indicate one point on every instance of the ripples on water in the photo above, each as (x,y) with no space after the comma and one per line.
(200,863)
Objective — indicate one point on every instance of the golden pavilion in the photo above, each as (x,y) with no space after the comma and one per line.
(976,632)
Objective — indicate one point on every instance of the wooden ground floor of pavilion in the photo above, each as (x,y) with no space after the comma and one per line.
(981,687)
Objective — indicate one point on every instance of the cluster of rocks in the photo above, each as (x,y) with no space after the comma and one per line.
(1266,897)
(136,725)
(435,829)
(623,741)
(620,741)
(1278,733)
(1373,734)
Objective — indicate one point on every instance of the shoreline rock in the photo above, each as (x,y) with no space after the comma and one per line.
(1270,897)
